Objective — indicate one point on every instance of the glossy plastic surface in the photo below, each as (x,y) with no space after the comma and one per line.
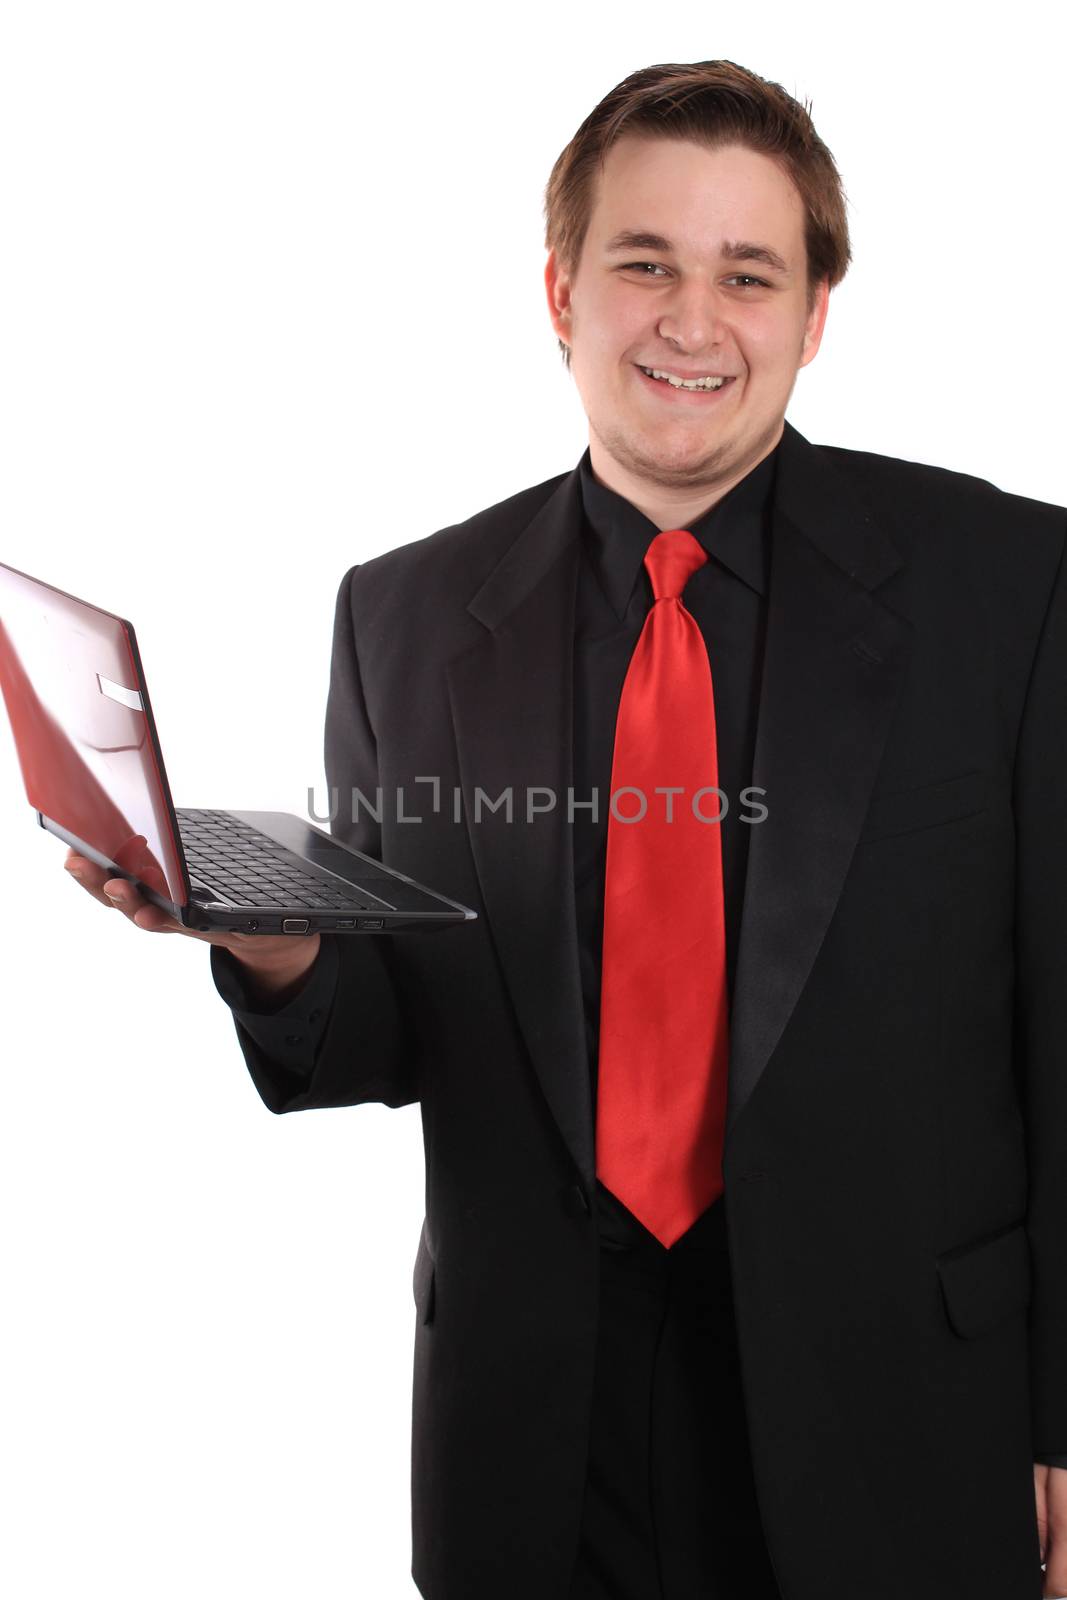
(82,722)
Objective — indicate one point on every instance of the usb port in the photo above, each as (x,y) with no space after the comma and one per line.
(345,922)
(371,922)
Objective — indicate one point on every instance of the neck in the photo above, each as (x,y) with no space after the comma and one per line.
(670,505)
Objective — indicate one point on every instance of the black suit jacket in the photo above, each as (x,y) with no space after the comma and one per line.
(896,1153)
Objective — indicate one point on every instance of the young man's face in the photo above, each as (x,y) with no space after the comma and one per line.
(691,309)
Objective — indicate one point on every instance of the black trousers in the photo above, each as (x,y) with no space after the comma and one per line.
(670,1510)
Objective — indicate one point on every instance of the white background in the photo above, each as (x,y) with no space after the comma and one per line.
(271,302)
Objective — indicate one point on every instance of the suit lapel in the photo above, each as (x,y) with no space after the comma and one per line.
(833,666)
(512,700)
(833,663)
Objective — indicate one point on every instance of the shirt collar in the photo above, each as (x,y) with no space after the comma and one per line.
(735,531)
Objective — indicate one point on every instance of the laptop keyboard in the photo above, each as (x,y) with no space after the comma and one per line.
(249,867)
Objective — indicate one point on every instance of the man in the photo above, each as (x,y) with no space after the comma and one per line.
(746,1157)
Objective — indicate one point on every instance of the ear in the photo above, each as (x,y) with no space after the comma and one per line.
(558,290)
(815,323)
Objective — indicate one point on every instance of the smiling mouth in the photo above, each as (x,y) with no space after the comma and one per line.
(699,389)
(707,381)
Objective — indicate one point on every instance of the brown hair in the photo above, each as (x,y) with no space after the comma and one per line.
(713,103)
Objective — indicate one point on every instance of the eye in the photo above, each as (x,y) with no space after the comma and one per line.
(745,279)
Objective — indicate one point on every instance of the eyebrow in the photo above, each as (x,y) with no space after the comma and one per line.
(732,249)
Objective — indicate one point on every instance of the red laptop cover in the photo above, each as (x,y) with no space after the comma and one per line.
(83,729)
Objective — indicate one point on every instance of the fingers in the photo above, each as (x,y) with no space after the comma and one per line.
(91,877)
(120,895)
(1041,1499)
(1056,1550)
(272,952)
(142,913)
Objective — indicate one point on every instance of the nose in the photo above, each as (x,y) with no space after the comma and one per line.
(694,319)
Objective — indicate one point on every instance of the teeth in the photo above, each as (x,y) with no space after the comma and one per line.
(684,383)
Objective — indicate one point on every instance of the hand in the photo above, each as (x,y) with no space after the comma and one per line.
(277,961)
(1050,1489)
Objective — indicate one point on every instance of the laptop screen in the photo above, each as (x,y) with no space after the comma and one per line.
(83,730)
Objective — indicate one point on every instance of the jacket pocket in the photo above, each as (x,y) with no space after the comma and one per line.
(986,1282)
(422,1279)
(908,810)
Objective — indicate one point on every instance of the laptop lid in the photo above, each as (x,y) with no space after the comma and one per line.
(86,740)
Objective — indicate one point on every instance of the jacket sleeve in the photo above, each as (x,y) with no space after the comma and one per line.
(1040,803)
(342,1039)
(281,1043)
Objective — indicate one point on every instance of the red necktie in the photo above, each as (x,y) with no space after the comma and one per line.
(661,1089)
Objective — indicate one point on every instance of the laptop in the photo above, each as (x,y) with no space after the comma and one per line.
(93,768)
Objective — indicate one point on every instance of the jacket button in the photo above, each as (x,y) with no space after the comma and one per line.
(574,1201)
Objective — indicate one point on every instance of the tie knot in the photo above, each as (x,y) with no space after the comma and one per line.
(671,559)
